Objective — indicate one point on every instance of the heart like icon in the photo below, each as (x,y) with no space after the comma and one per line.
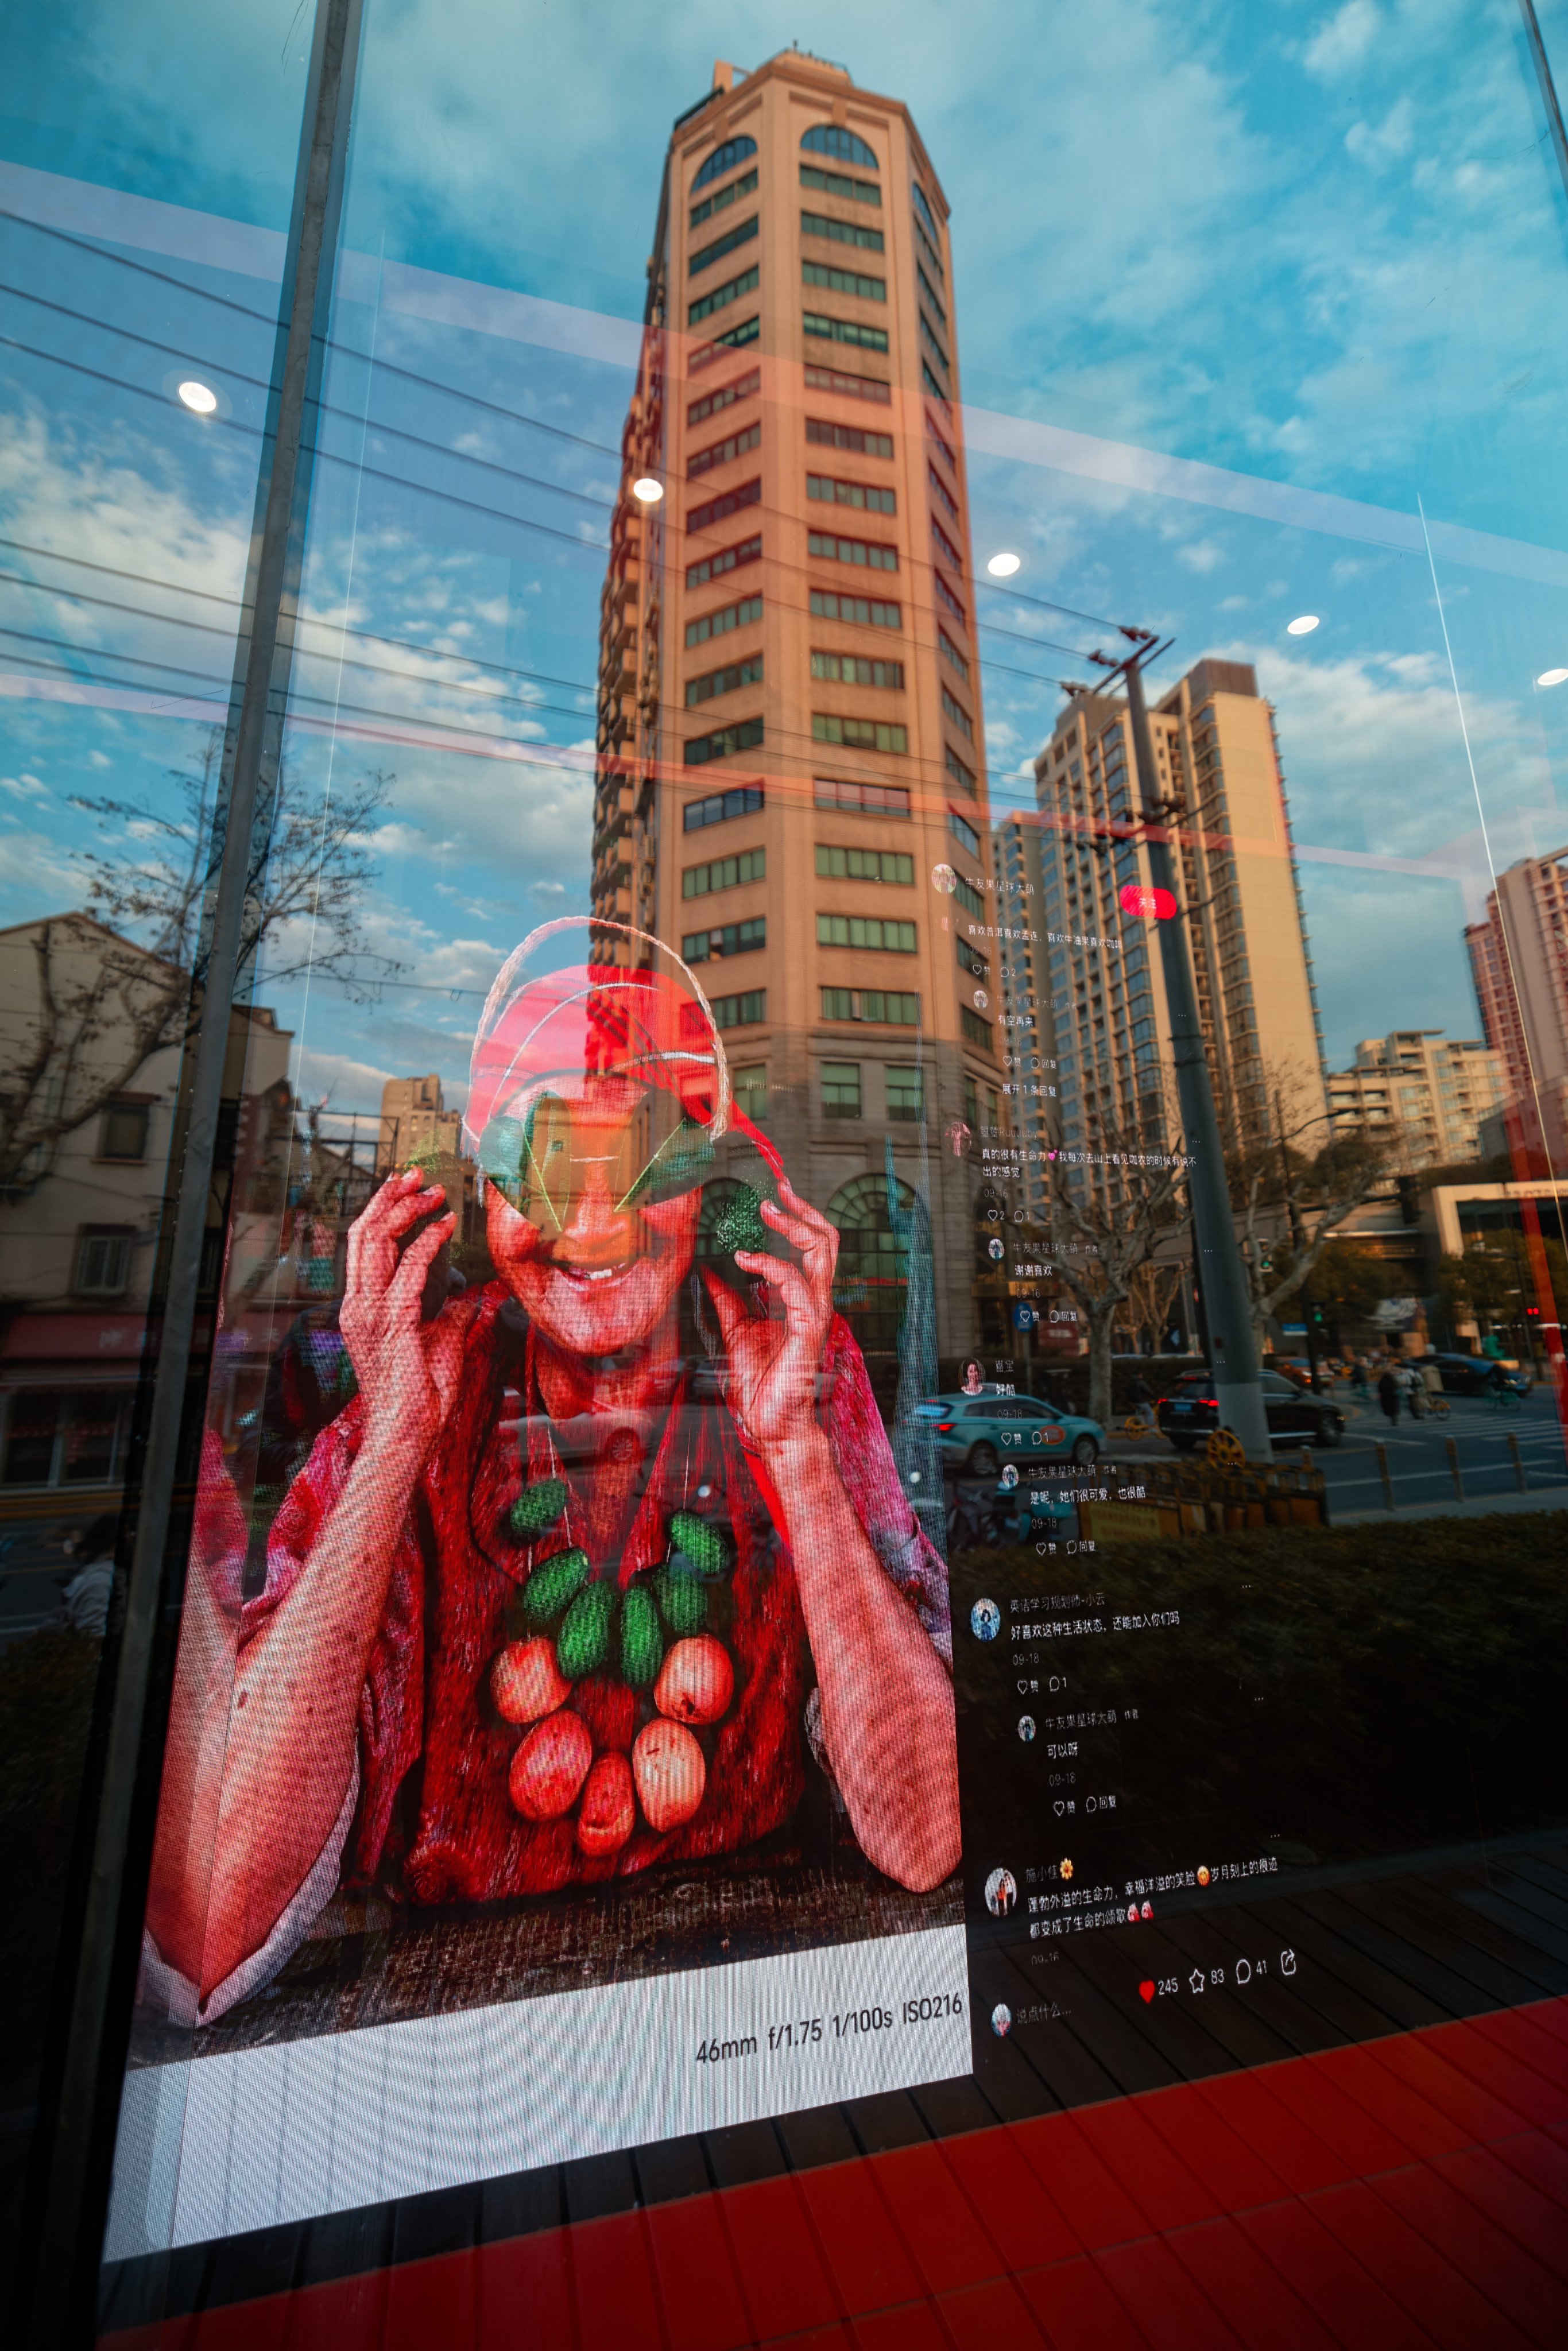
(1145,1990)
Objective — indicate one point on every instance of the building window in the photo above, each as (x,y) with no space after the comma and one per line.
(103,1261)
(906,1095)
(865,611)
(944,596)
(926,289)
(725,396)
(923,205)
(729,939)
(720,453)
(722,295)
(948,651)
(944,546)
(854,438)
(843,146)
(967,894)
(869,553)
(851,387)
(708,254)
(746,1011)
(971,1100)
(703,518)
(972,961)
(747,331)
(723,743)
(930,381)
(941,444)
(976,1030)
(877,1222)
(725,198)
(724,872)
(874,499)
(720,807)
(840,1089)
(844,330)
(843,281)
(728,617)
(123,1134)
(957,770)
(944,494)
(963,831)
(870,931)
(930,334)
(868,799)
(931,253)
(860,734)
(898,1008)
(748,1086)
(716,682)
(871,240)
(958,715)
(835,183)
(728,559)
(844,864)
(724,159)
(855,669)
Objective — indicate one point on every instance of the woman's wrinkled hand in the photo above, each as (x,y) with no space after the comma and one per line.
(408,1370)
(776,1365)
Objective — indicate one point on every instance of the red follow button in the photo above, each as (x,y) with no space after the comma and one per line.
(1137,900)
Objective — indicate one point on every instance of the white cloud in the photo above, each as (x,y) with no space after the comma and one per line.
(1388,141)
(1342,40)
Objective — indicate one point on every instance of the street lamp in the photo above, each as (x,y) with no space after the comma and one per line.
(1228,1309)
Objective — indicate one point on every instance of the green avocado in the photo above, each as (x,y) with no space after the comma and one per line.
(705,1547)
(683,1603)
(538,1505)
(583,1642)
(549,1587)
(641,1642)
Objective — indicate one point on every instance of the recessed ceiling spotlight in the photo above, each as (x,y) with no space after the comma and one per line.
(1002,567)
(199,398)
(647,491)
(1551,676)
(1302,626)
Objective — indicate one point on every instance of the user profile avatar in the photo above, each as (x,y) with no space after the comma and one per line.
(995,1249)
(972,1382)
(944,878)
(981,999)
(1010,1476)
(984,1620)
(1026,1728)
(959,1138)
(1001,1892)
(1001,2019)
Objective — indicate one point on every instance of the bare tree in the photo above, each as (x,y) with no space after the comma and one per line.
(1152,1289)
(1292,1186)
(1112,1208)
(122,979)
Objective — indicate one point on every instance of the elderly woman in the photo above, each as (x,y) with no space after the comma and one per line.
(481,1676)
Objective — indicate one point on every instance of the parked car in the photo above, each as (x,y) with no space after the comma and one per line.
(978,1434)
(1296,1416)
(1472,1374)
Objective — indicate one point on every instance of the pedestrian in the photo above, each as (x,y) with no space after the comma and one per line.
(1142,1401)
(1432,1381)
(1388,1392)
(1411,1389)
(1359,1383)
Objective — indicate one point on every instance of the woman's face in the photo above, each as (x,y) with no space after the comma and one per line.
(602,1277)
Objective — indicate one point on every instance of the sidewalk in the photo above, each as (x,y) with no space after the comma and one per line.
(1474,1506)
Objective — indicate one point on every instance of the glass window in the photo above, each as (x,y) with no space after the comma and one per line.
(840,1089)
(844,146)
(905,1094)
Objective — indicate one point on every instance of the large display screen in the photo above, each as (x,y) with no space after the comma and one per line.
(875,1384)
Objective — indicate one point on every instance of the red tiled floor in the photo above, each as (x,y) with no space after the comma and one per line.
(1407,2194)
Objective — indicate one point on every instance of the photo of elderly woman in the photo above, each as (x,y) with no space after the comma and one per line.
(607,1553)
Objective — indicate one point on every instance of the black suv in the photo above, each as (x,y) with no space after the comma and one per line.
(1296,1416)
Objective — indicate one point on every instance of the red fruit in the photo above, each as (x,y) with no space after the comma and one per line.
(550,1766)
(608,1811)
(696,1680)
(671,1774)
(526,1682)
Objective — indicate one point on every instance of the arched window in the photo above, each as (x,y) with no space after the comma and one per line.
(827,139)
(724,159)
(872,1281)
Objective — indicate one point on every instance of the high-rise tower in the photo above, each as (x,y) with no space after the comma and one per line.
(790,733)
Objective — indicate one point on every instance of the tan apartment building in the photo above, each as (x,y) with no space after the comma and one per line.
(790,724)
(1028,1041)
(1519,961)
(1431,1095)
(1218,770)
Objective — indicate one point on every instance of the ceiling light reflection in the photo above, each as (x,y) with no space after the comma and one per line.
(1002,567)
(199,398)
(1302,626)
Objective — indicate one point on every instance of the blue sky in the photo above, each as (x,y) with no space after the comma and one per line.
(1319,246)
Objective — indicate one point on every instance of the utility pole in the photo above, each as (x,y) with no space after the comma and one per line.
(1304,1292)
(1226,1308)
